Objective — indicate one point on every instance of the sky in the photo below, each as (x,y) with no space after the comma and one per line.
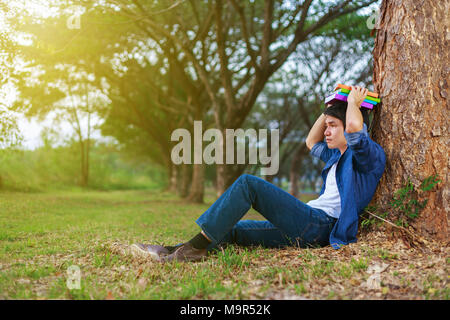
(31,129)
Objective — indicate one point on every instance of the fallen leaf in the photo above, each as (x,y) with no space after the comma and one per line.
(377,268)
(374,282)
(109,296)
(142,282)
(355,282)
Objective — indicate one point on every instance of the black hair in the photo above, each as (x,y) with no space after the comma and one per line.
(339,110)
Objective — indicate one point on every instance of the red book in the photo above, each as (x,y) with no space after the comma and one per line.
(343,86)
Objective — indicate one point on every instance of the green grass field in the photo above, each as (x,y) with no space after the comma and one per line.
(43,234)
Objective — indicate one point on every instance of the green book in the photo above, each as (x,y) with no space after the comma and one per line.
(367,98)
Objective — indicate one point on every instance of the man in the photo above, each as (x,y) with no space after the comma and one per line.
(353,167)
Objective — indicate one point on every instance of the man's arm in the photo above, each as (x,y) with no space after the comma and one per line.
(354,119)
(367,155)
(316,134)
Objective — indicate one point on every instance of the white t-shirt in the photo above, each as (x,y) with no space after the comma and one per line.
(330,200)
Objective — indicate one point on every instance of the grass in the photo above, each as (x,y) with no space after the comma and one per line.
(43,234)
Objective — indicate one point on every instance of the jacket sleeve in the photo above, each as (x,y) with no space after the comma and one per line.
(366,153)
(320,150)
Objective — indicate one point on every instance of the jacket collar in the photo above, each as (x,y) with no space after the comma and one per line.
(335,157)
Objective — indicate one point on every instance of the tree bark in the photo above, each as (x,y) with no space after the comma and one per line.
(184,182)
(411,73)
(293,182)
(225,177)
(173,177)
(294,171)
(197,189)
(83,169)
(224,171)
(269,178)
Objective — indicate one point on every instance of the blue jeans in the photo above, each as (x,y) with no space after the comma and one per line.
(290,222)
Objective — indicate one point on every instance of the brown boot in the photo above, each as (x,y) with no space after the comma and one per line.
(185,253)
(149,251)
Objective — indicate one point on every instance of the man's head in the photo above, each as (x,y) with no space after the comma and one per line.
(335,116)
(334,133)
(339,110)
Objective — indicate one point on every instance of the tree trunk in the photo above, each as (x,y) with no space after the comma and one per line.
(86,163)
(173,177)
(224,171)
(220,177)
(269,178)
(224,177)
(293,182)
(411,73)
(184,183)
(294,171)
(83,168)
(198,184)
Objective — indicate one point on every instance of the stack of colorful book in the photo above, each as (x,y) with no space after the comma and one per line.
(341,94)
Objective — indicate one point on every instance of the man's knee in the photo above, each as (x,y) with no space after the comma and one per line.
(246,177)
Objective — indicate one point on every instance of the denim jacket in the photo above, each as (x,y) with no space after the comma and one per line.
(357,175)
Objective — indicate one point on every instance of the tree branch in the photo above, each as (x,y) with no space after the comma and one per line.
(250,51)
(224,71)
(394,225)
(267,34)
(298,37)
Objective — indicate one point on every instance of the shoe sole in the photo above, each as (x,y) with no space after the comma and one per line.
(136,250)
(182,258)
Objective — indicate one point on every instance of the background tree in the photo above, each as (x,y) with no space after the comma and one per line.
(72,95)
(9,133)
(118,58)
(339,54)
(148,109)
(411,73)
(156,84)
(261,28)
(49,78)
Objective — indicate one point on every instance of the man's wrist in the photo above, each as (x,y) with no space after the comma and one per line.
(352,103)
(353,117)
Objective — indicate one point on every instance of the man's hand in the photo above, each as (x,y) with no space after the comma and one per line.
(357,95)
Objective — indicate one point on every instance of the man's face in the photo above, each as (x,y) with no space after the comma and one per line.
(334,133)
